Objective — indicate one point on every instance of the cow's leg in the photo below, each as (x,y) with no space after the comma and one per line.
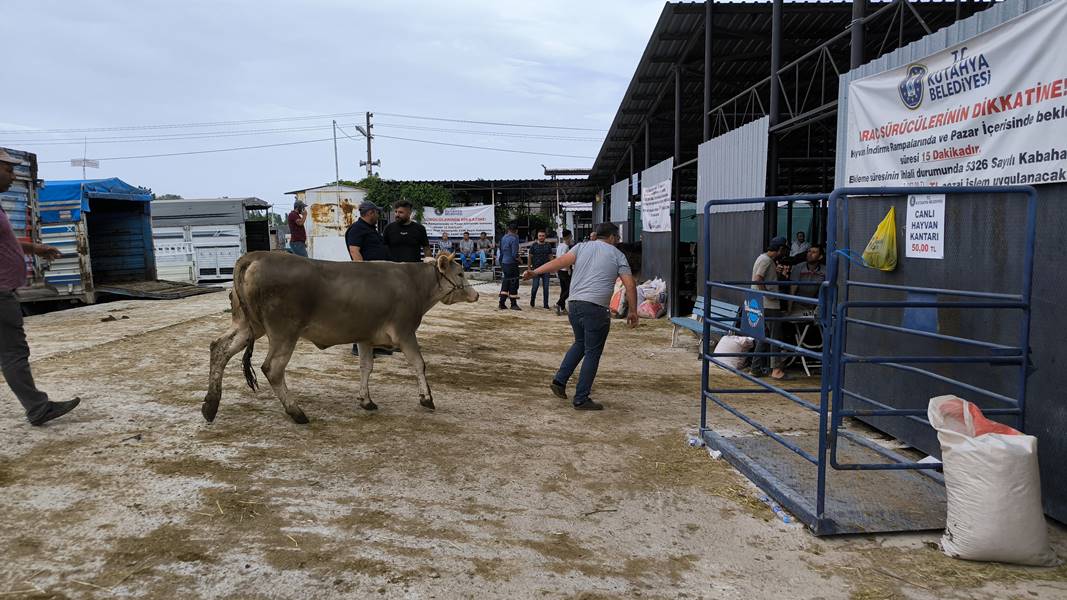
(410,347)
(366,365)
(278,355)
(222,350)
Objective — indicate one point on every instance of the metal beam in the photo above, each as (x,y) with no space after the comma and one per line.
(708,33)
(676,216)
(859,7)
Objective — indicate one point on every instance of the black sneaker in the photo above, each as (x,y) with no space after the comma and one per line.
(589,405)
(56,410)
(558,389)
(515,307)
(559,311)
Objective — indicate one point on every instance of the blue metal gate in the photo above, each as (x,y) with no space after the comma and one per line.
(868,487)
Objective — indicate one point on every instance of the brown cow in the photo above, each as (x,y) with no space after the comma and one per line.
(373,304)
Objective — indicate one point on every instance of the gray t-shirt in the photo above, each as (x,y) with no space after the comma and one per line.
(596,267)
(764,266)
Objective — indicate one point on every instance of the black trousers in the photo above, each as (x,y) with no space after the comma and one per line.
(564,288)
(509,285)
(15,358)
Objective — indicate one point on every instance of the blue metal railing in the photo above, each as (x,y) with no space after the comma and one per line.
(833,321)
(997,354)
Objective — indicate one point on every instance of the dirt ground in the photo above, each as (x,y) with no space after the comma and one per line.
(504,491)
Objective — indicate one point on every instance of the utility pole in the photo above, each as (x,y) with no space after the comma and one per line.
(370,163)
(336,164)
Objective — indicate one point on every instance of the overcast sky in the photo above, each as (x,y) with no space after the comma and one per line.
(109,64)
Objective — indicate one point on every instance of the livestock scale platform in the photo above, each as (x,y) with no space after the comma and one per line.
(831,475)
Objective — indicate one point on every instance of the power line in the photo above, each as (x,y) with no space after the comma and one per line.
(180,125)
(490,122)
(493,133)
(164,138)
(393,137)
(45,162)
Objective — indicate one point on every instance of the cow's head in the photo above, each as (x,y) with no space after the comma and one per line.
(453,281)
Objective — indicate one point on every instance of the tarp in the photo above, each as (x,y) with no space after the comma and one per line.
(65,200)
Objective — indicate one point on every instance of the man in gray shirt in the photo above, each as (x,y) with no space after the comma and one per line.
(595,266)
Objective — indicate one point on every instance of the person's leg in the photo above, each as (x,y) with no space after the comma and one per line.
(513,284)
(564,289)
(505,286)
(15,359)
(299,248)
(777,331)
(574,353)
(597,325)
(534,284)
(481,260)
(546,279)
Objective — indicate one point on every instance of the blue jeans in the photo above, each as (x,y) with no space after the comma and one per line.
(467,259)
(298,248)
(538,280)
(481,260)
(591,324)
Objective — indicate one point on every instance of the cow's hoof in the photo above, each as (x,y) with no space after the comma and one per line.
(427,402)
(298,417)
(209,411)
(368,405)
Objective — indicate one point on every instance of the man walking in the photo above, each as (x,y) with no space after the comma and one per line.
(596,266)
(466,251)
(297,234)
(539,254)
(509,267)
(14,351)
(564,274)
(765,270)
(366,244)
(485,247)
(405,238)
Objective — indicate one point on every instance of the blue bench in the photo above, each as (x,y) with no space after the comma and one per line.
(720,312)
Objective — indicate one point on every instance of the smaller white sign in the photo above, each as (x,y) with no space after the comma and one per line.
(85,162)
(656,207)
(925,234)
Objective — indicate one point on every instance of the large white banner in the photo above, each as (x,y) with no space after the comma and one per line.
(656,207)
(457,219)
(989,111)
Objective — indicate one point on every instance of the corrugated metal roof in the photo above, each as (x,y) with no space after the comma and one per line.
(741,48)
(247,202)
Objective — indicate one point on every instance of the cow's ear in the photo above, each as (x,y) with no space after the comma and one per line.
(443,260)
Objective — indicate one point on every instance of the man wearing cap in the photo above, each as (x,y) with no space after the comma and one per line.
(14,351)
(364,241)
(297,234)
(765,269)
(366,244)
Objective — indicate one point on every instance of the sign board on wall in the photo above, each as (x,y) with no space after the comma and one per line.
(989,111)
(457,219)
(656,207)
(925,231)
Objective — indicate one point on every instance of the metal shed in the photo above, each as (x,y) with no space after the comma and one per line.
(202,238)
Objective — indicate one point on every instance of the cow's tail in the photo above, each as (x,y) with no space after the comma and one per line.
(241,309)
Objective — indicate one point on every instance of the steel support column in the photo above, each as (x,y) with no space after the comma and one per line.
(632,217)
(859,10)
(648,145)
(770,210)
(676,216)
(707,69)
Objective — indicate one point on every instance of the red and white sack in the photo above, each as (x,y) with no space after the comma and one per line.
(993,487)
(650,309)
(733,344)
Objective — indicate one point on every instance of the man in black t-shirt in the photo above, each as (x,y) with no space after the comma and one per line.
(405,238)
(365,244)
(362,238)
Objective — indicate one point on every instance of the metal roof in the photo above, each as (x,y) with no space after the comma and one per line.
(741,53)
(247,202)
(329,186)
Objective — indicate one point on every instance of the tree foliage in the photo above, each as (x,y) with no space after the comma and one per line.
(385,192)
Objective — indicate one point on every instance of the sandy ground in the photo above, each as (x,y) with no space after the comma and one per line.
(504,491)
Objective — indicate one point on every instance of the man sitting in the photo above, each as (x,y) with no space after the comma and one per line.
(485,248)
(466,250)
(811,270)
